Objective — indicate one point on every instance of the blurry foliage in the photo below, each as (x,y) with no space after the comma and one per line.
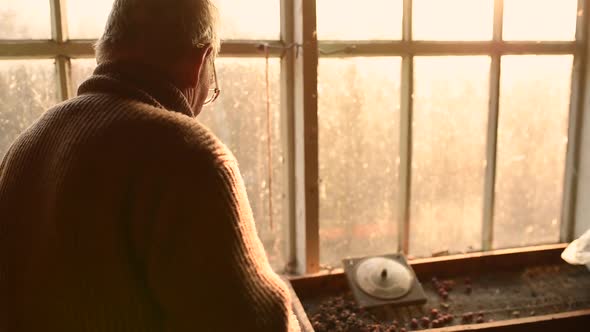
(27,89)
(359,103)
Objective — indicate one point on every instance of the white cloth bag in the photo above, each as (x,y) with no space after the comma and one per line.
(578,252)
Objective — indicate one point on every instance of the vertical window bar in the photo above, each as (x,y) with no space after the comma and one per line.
(406,133)
(492,136)
(288,130)
(63,77)
(59,32)
(306,137)
(575,123)
(59,29)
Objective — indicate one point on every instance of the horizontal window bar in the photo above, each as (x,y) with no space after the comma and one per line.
(384,48)
(83,48)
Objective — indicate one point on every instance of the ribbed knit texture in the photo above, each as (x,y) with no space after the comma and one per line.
(120,212)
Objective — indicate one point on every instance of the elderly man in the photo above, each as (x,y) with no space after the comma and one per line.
(119,211)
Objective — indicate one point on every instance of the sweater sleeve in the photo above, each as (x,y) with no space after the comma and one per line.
(3,162)
(206,266)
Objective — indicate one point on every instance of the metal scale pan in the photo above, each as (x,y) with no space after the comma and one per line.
(383,280)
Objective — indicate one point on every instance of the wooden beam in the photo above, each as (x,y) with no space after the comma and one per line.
(491,154)
(44,49)
(32,49)
(576,118)
(495,260)
(306,137)
(248,48)
(457,264)
(567,321)
(288,132)
(405,47)
(492,134)
(582,217)
(59,24)
(405,170)
(63,77)
(59,32)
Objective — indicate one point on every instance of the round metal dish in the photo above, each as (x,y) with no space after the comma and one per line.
(383,278)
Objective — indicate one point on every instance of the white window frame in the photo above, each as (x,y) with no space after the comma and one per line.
(299,70)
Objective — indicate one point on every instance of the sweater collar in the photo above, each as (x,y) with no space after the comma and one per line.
(139,82)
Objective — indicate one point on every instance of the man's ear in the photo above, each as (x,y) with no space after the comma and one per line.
(197,63)
(189,70)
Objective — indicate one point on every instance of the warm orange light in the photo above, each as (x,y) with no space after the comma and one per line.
(453,19)
(359,20)
(540,19)
(248,19)
(87,18)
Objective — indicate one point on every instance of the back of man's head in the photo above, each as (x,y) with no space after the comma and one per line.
(157,30)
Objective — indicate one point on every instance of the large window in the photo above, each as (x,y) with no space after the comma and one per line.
(444,130)
(430,127)
(42,63)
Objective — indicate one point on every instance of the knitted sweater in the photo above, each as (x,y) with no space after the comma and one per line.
(120,212)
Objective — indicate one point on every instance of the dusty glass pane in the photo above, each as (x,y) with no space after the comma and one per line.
(239,119)
(359,20)
(532,139)
(540,19)
(359,102)
(27,89)
(449,148)
(453,19)
(87,18)
(252,19)
(81,70)
(238,19)
(25,19)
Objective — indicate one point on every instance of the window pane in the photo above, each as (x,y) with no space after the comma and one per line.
(359,101)
(25,19)
(540,19)
(532,141)
(239,19)
(239,119)
(359,20)
(82,69)
(253,19)
(453,19)
(449,146)
(87,18)
(27,89)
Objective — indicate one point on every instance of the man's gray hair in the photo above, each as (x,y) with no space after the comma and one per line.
(160,29)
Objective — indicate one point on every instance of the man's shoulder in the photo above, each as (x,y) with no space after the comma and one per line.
(192,137)
(199,139)
(141,126)
(184,135)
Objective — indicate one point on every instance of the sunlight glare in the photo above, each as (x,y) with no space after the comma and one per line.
(359,20)
(453,19)
(535,95)
(249,19)
(87,18)
(539,20)
(18,21)
(450,118)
